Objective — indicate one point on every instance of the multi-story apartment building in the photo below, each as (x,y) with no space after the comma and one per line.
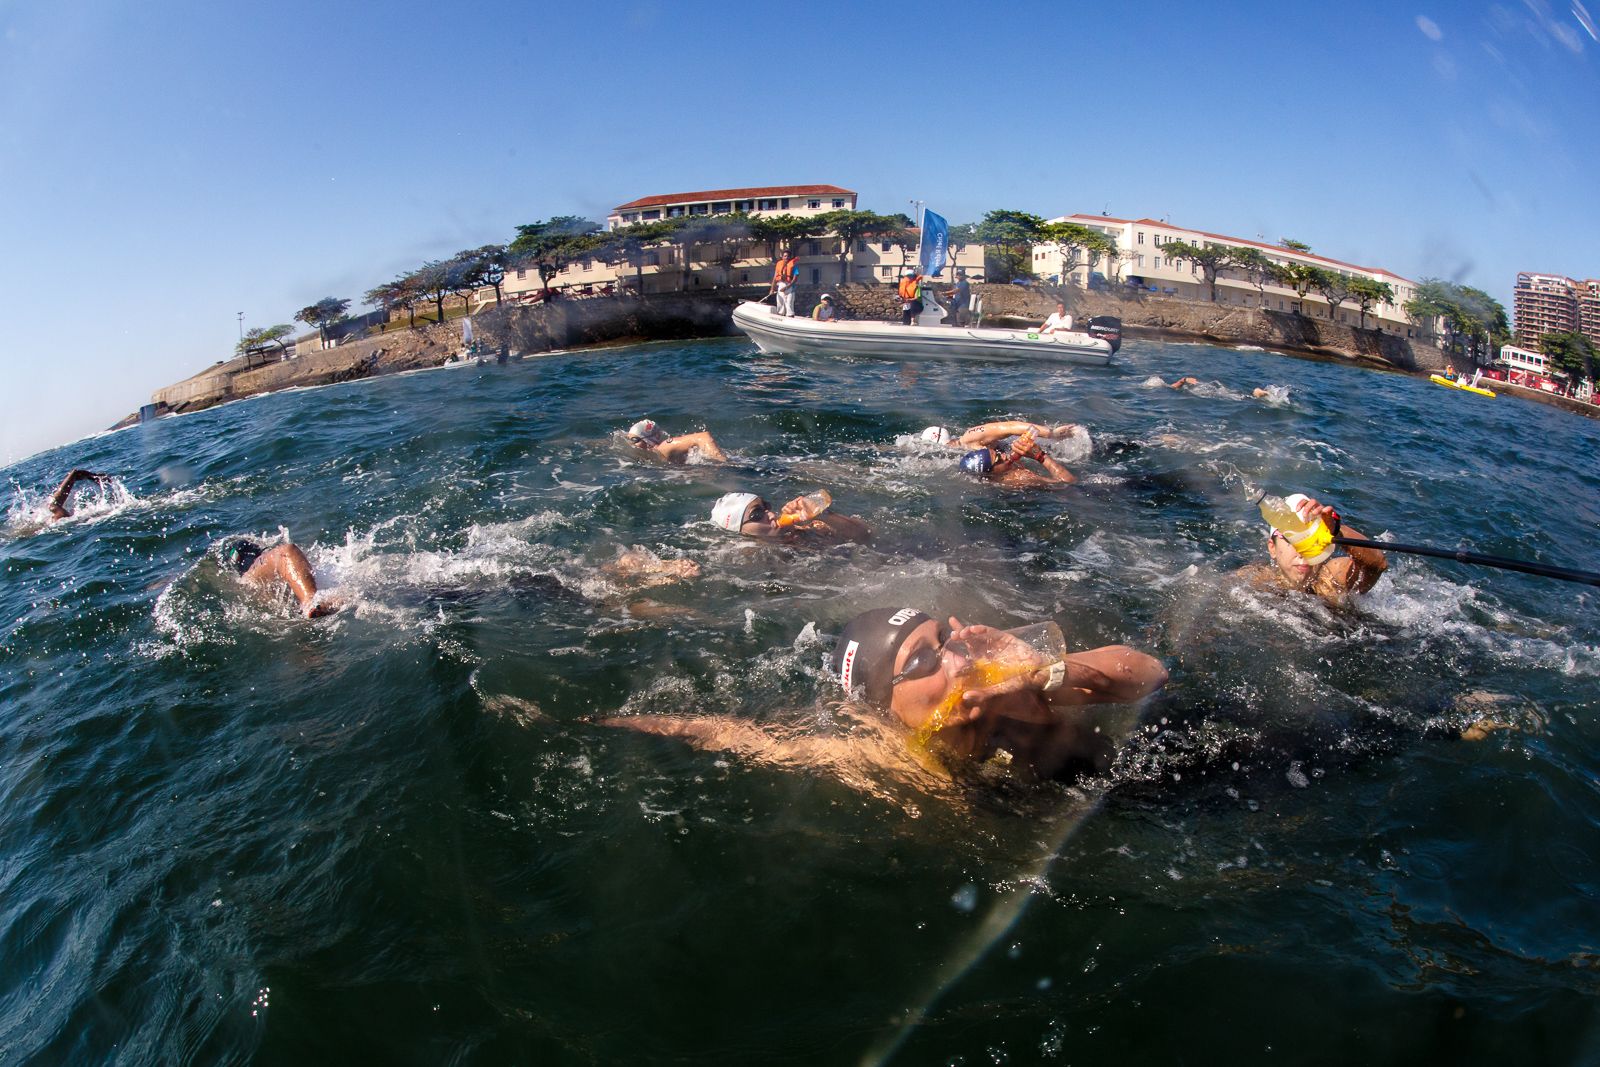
(1140,258)
(1544,303)
(674,268)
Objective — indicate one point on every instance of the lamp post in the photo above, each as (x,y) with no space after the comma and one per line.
(241,326)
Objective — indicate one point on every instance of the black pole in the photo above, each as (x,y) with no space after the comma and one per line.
(1460,556)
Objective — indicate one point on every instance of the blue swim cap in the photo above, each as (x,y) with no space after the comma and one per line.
(978,462)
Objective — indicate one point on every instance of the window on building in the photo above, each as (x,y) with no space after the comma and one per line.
(816,248)
(813,203)
(1158,261)
(785,203)
(838,203)
(887,245)
(888,272)
(1141,259)
(694,279)
(721,209)
(699,209)
(1141,237)
(861,246)
(587,265)
(521,274)
(647,215)
(744,276)
(816,276)
(769,205)
(669,256)
(652,259)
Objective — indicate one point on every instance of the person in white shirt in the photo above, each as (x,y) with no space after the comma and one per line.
(1059,321)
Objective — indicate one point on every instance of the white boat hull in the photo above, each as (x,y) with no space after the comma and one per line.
(890,340)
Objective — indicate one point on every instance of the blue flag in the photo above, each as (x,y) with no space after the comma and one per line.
(935,243)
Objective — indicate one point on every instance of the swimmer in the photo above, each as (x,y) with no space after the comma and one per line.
(648,569)
(1333,579)
(1182,383)
(905,663)
(647,435)
(58,502)
(261,566)
(1007,469)
(751,516)
(990,432)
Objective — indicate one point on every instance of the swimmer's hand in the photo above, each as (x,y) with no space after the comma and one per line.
(997,644)
(327,605)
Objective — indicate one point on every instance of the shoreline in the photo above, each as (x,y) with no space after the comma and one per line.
(613,321)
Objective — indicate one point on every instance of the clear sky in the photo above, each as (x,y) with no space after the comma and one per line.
(166,166)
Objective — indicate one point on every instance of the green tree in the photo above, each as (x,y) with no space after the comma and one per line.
(631,245)
(962,234)
(486,265)
(432,281)
(1293,245)
(786,231)
(1209,257)
(1013,233)
(852,227)
(1473,322)
(1571,353)
(1334,287)
(551,246)
(324,313)
(1258,269)
(262,338)
(390,296)
(1366,294)
(1074,240)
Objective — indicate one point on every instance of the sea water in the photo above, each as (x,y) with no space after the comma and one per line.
(415,831)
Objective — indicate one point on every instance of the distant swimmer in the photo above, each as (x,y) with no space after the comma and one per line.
(262,566)
(58,502)
(646,568)
(906,663)
(647,435)
(751,516)
(1333,579)
(1191,383)
(1005,468)
(1182,383)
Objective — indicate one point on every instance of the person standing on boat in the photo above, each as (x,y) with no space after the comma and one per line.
(783,275)
(961,301)
(1059,321)
(910,296)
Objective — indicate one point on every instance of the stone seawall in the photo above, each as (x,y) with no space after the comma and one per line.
(529,329)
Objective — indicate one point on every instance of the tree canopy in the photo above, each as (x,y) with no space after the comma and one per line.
(1472,319)
(550,246)
(1010,232)
(853,226)
(1258,269)
(262,338)
(1367,294)
(1571,353)
(324,313)
(1293,245)
(1209,257)
(1074,239)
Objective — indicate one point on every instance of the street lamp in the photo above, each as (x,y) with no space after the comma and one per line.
(241,326)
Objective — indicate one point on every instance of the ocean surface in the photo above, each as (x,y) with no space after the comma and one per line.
(421,831)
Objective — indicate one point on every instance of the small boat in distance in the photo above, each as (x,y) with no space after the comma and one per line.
(926,339)
(1439,379)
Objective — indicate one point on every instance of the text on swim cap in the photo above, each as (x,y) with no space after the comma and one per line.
(847,665)
(903,616)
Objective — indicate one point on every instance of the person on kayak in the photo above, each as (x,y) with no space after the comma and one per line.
(647,435)
(751,516)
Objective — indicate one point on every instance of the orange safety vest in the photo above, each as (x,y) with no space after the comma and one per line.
(911,288)
(786,268)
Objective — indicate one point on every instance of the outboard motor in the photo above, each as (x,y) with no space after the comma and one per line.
(1107,328)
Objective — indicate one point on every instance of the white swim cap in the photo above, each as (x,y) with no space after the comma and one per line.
(729,512)
(936,435)
(646,430)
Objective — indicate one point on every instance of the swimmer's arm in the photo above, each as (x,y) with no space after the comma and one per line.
(724,733)
(58,502)
(1057,471)
(1366,564)
(845,526)
(1115,674)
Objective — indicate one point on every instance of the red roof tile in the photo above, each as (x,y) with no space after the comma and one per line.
(759,192)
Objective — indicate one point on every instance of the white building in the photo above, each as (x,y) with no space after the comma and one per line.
(1140,259)
(799,200)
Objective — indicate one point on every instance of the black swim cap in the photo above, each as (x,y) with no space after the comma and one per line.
(864,656)
(979,462)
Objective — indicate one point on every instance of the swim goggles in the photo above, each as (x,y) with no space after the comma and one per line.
(927,661)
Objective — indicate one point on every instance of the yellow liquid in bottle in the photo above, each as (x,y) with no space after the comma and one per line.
(979,674)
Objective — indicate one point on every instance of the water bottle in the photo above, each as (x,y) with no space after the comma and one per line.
(1313,540)
(810,507)
(1039,649)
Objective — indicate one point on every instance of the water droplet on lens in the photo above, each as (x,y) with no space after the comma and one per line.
(965,898)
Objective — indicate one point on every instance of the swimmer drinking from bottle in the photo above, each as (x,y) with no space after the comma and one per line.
(905,662)
(1333,578)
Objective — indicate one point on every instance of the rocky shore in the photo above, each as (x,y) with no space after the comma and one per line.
(529,329)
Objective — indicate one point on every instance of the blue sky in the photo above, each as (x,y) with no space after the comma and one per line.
(166,166)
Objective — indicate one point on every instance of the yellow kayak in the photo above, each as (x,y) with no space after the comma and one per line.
(1439,379)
